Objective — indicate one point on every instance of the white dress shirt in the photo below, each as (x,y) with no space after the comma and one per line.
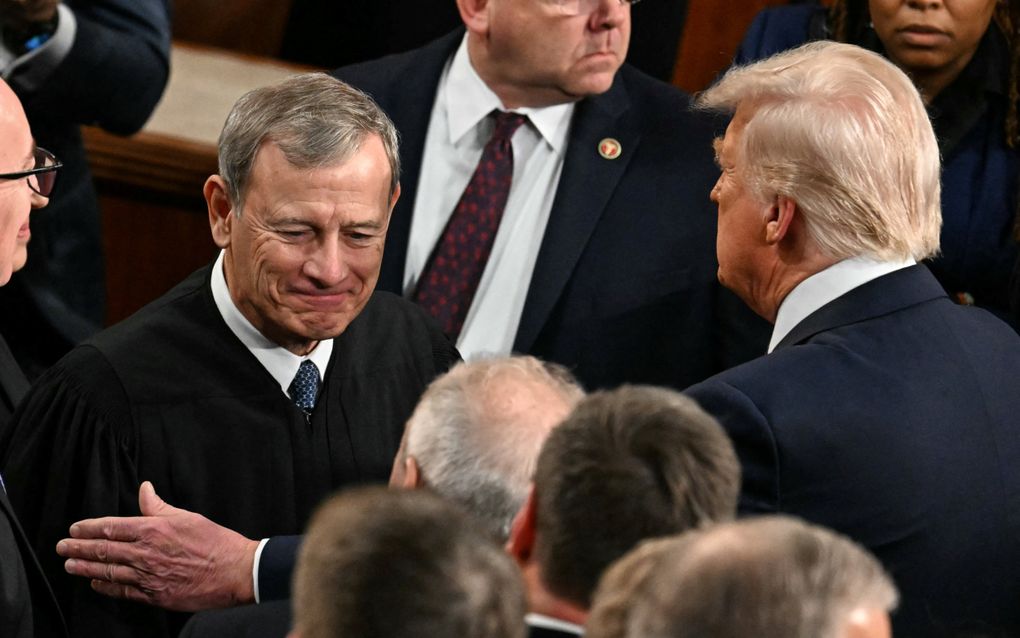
(825,286)
(457,134)
(281,363)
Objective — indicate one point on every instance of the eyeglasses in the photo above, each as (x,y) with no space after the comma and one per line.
(579,7)
(43,175)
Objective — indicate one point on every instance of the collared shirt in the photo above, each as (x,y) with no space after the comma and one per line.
(281,363)
(548,622)
(33,68)
(825,286)
(458,131)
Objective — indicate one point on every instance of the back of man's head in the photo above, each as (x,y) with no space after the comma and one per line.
(379,563)
(626,465)
(844,133)
(477,431)
(769,577)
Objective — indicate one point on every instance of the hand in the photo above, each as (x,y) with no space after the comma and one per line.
(23,12)
(168,557)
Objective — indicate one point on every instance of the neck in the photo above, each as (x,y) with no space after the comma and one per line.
(544,602)
(780,282)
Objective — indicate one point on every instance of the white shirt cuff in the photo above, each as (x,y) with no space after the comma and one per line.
(255,568)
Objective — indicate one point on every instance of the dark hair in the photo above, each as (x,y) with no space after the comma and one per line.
(378,563)
(626,465)
(847,19)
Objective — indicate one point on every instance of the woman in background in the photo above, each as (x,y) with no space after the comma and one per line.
(964,57)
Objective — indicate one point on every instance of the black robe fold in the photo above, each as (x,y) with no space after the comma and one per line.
(172,396)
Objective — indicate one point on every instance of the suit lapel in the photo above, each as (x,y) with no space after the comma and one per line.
(585,187)
(881,296)
(410,108)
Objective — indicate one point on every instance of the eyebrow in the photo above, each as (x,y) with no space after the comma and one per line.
(370,225)
(717,147)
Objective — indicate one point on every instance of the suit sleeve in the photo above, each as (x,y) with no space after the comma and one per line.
(67,455)
(276,567)
(753,440)
(116,70)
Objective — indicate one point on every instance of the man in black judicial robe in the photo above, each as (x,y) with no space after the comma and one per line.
(189,394)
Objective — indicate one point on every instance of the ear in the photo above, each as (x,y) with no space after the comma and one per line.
(413,479)
(395,197)
(521,544)
(475,14)
(221,217)
(780,217)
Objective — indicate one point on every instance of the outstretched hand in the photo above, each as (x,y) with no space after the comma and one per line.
(168,557)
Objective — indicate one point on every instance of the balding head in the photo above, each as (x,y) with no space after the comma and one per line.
(477,431)
(17,199)
(769,576)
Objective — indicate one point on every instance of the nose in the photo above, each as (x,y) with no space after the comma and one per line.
(714,193)
(39,201)
(924,4)
(327,266)
(610,14)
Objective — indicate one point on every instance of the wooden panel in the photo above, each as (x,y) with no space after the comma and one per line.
(155,227)
(250,26)
(150,248)
(712,33)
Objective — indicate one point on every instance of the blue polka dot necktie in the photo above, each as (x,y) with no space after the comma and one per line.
(305,386)
(448,283)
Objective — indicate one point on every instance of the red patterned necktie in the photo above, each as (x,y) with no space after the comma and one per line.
(450,278)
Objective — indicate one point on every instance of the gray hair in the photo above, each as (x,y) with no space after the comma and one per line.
(767,576)
(476,434)
(843,133)
(314,119)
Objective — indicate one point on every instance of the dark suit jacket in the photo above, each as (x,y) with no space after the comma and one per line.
(890,415)
(268,620)
(624,288)
(27,606)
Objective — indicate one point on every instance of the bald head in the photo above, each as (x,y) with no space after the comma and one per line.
(477,431)
(768,576)
(16,199)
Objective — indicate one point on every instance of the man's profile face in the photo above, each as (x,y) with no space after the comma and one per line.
(303,257)
(16,198)
(553,58)
(741,217)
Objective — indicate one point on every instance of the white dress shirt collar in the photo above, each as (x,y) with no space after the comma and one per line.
(469,100)
(548,622)
(825,286)
(281,363)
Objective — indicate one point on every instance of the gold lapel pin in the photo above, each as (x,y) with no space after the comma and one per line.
(610,148)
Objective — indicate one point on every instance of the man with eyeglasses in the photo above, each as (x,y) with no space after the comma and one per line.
(598,252)
(74,62)
(27,606)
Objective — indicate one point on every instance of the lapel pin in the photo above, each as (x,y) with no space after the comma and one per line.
(610,148)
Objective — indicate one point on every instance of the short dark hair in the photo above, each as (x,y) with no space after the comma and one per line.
(766,576)
(378,563)
(626,465)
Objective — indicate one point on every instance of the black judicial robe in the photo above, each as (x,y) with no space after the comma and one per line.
(172,396)
(27,607)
